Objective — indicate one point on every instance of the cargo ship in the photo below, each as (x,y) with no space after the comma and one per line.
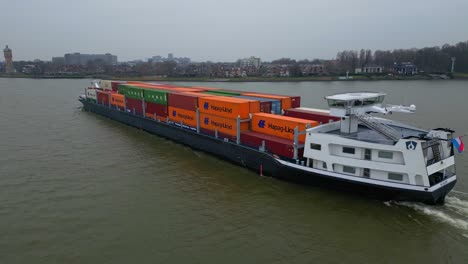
(346,147)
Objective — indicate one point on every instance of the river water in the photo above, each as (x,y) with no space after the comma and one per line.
(79,188)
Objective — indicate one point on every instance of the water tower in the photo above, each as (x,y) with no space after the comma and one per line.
(8,60)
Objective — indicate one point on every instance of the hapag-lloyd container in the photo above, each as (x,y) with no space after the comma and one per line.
(321,116)
(118,100)
(153,110)
(285,100)
(275,145)
(184,116)
(280,126)
(224,106)
(224,125)
(134,105)
(91,94)
(266,105)
(103,97)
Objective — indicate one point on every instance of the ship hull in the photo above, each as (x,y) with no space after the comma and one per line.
(265,163)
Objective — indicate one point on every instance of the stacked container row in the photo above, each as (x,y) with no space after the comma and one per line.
(280,126)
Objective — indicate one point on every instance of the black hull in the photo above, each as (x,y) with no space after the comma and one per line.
(254,159)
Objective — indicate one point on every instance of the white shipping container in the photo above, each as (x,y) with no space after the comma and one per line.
(105,85)
(91,94)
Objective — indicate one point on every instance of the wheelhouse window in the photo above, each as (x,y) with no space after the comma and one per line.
(349,150)
(395,176)
(348,169)
(336,103)
(315,146)
(324,165)
(385,154)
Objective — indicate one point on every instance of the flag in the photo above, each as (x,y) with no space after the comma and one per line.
(458,143)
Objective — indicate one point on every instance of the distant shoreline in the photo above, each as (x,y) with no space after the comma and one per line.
(246,79)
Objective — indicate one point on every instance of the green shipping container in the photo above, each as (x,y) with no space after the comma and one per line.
(222,93)
(155,96)
(134,92)
(121,88)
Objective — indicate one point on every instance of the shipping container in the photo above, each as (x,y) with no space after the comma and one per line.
(153,110)
(224,106)
(155,96)
(183,101)
(197,94)
(134,92)
(218,94)
(275,145)
(184,116)
(105,85)
(224,92)
(285,100)
(206,88)
(224,125)
(280,126)
(266,105)
(134,105)
(91,94)
(118,101)
(103,97)
(295,101)
(115,85)
(321,116)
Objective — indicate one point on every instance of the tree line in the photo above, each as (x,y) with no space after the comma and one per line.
(430,59)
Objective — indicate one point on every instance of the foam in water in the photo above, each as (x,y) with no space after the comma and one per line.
(441,214)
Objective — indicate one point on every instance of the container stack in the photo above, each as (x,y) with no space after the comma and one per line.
(219,113)
(319,115)
(182,108)
(264,125)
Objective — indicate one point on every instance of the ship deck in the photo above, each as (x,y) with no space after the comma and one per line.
(367,134)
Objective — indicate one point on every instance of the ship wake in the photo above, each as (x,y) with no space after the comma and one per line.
(453,213)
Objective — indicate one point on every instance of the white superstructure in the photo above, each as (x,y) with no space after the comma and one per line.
(377,151)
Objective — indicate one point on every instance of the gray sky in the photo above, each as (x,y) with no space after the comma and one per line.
(220,30)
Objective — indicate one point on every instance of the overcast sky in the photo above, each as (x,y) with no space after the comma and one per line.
(220,30)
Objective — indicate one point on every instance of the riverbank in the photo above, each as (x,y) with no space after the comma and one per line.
(458,76)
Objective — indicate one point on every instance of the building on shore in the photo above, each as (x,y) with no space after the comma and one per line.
(9,68)
(405,68)
(371,69)
(83,59)
(250,62)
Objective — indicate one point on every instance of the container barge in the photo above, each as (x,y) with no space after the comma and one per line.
(345,147)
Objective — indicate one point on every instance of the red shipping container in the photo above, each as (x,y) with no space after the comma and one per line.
(115,84)
(275,145)
(295,101)
(183,101)
(134,106)
(265,107)
(103,97)
(153,108)
(320,116)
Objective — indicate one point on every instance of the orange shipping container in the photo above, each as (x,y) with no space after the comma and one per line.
(118,100)
(285,100)
(280,126)
(224,106)
(224,125)
(178,115)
